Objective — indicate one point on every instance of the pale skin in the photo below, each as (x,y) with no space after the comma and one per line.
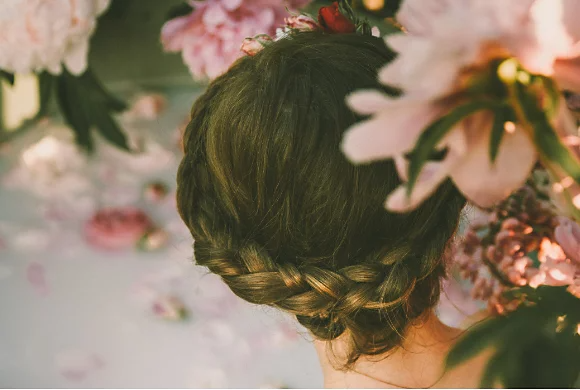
(418,363)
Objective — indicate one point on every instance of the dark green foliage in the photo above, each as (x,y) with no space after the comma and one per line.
(535,347)
(86,104)
(434,133)
(7,76)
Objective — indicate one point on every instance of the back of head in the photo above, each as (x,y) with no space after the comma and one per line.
(285,219)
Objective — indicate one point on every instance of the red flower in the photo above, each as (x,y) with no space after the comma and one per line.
(117,228)
(333,22)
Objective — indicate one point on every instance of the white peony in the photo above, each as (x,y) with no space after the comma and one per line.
(38,35)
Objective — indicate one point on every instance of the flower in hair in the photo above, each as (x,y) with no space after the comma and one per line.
(301,23)
(253,46)
(333,21)
(209,37)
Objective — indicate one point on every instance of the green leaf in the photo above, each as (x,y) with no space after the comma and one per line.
(475,341)
(435,132)
(497,132)
(110,130)
(70,101)
(345,8)
(98,93)
(514,329)
(9,77)
(545,137)
(46,83)
(554,95)
(493,371)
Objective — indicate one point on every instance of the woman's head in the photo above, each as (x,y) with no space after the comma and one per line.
(285,219)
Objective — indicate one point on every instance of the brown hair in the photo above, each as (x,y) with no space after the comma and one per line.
(280,214)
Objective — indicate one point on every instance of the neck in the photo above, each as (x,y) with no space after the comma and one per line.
(418,362)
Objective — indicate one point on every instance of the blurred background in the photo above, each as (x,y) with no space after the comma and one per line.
(97,285)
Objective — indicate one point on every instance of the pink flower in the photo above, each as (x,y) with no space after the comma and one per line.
(252,46)
(446,40)
(301,23)
(36,276)
(153,240)
(147,106)
(557,272)
(567,234)
(38,35)
(77,365)
(210,37)
(155,191)
(169,308)
(117,228)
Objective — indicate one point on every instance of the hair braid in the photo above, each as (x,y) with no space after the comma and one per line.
(285,220)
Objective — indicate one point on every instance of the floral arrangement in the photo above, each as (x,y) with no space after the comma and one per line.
(51,39)
(479,98)
(209,36)
(338,18)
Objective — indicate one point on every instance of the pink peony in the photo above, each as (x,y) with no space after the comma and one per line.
(117,228)
(444,39)
(567,234)
(38,35)
(210,37)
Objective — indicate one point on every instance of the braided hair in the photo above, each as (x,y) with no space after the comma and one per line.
(278,212)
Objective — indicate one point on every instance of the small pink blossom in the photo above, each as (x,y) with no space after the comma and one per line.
(210,37)
(558,272)
(567,234)
(147,106)
(252,46)
(117,228)
(76,365)
(36,276)
(155,191)
(169,308)
(301,23)
(153,240)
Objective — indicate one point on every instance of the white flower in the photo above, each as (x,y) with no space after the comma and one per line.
(38,35)
(51,168)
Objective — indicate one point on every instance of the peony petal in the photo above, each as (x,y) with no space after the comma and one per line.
(76,58)
(571,15)
(416,16)
(231,5)
(215,15)
(479,180)
(392,132)
(431,176)
(567,73)
(567,234)
(367,102)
